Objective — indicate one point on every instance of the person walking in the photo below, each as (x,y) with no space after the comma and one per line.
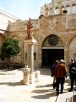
(72,72)
(71,61)
(53,73)
(60,74)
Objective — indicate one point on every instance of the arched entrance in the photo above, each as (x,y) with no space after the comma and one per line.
(2,39)
(52,50)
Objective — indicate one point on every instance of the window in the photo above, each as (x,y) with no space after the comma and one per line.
(34,55)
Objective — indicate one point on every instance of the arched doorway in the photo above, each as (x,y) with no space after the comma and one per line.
(52,50)
(2,39)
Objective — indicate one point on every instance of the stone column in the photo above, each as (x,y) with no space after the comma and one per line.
(30,57)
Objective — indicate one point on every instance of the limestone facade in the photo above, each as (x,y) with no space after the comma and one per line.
(62,27)
(55,37)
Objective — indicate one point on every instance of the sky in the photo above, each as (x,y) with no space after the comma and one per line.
(23,9)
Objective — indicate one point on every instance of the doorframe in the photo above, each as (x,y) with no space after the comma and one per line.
(52,47)
(46,48)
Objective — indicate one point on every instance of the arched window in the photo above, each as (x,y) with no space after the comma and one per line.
(34,55)
(73,9)
(68,9)
(56,7)
(67,5)
(50,8)
(62,6)
(73,4)
(52,41)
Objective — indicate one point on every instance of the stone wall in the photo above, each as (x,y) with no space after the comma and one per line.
(62,26)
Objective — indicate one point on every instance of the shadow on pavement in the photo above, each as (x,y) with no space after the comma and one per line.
(44,96)
(44,93)
(11,83)
(39,91)
(41,86)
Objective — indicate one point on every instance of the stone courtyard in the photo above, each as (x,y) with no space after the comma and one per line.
(12,89)
(55,36)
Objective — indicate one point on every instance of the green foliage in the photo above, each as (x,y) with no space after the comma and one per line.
(46,7)
(10,48)
(59,2)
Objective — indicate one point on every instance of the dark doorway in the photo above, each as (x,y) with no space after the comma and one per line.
(49,56)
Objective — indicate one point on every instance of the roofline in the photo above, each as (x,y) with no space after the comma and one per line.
(9,15)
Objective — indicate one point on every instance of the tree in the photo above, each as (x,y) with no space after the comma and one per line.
(59,2)
(10,48)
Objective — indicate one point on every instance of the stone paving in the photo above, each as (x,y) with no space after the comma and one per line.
(12,90)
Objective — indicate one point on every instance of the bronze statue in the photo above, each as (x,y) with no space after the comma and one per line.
(29,27)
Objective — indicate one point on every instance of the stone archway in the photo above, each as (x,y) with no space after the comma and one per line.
(72,48)
(52,50)
(2,39)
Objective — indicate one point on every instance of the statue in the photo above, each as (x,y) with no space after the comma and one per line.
(29,27)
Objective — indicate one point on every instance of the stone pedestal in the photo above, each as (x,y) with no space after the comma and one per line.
(32,77)
(26,76)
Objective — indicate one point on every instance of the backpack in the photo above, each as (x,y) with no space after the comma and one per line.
(73,70)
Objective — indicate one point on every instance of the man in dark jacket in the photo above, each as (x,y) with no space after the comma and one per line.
(60,74)
(72,72)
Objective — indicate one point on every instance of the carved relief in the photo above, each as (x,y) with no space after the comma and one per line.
(71,23)
(52,24)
